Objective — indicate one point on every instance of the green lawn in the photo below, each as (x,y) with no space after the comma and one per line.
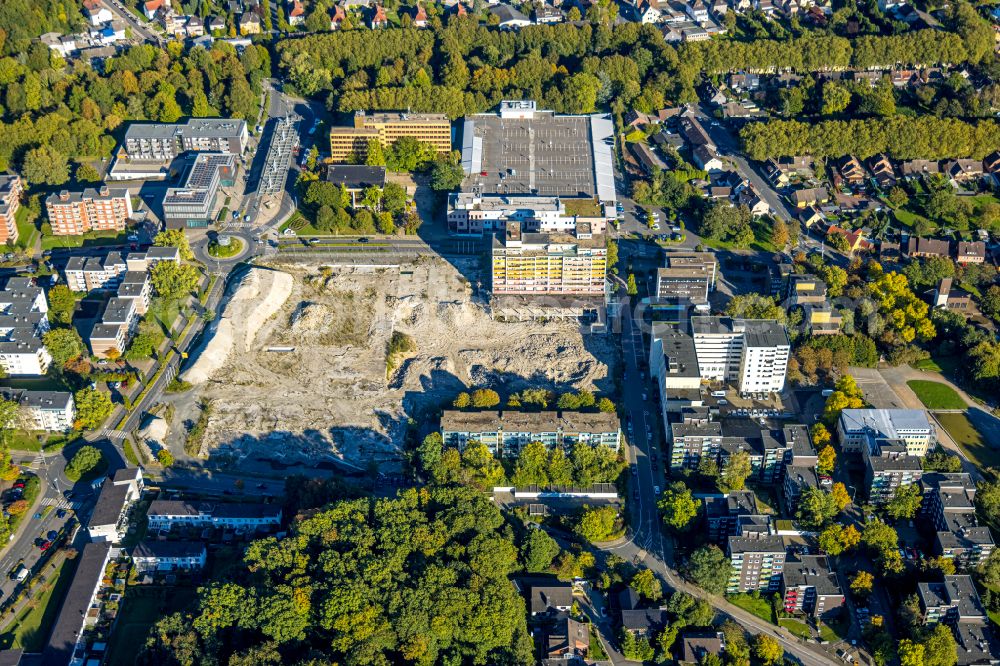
(936,395)
(26,230)
(834,631)
(89,239)
(759,606)
(906,218)
(31,629)
(597,652)
(32,440)
(966,436)
(796,627)
(141,609)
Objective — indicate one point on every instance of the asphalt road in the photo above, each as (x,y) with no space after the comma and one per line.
(729,147)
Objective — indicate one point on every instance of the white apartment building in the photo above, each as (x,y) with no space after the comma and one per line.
(144,261)
(23,320)
(751,352)
(85,274)
(108,521)
(858,427)
(167,556)
(53,411)
(165,514)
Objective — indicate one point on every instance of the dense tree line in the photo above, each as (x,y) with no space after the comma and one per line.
(52,112)
(901,137)
(970,39)
(468,68)
(23,20)
(419,579)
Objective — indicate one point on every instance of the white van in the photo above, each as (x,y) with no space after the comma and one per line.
(718,394)
(21,574)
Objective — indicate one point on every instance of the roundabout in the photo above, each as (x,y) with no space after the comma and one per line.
(225,247)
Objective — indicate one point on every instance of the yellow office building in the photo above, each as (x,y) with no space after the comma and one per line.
(352,142)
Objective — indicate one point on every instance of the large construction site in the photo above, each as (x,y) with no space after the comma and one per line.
(295,368)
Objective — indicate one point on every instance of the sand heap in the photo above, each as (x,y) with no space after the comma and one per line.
(261,293)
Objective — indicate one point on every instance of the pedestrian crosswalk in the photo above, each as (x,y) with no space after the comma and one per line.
(57,502)
(114,435)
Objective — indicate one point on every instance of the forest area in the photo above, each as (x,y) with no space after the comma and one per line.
(53,113)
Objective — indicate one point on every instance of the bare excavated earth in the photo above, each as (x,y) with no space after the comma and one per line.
(330,397)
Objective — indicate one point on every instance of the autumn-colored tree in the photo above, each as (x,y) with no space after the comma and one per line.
(827,459)
(17,507)
(840,495)
(862,583)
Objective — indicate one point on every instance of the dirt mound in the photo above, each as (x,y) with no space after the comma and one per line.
(330,398)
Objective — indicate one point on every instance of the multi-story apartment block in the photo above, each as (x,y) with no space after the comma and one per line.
(193,204)
(118,323)
(723,514)
(85,274)
(953,601)
(549,263)
(949,505)
(751,352)
(169,556)
(348,143)
(144,261)
(673,360)
(53,411)
(504,433)
(857,427)
(770,450)
(685,281)
(756,562)
(810,586)
(138,287)
(23,321)
(10,202)
(887,467)
(167,514)
(109,521)
(956,603)
(798,479)
(161,142)
(75,213)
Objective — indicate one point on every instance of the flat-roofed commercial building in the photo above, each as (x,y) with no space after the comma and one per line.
(530,160)
(858,427)
(549,263)
(504,433)
(348,143)
(161,142)
(93,209)
(193,204)
(10,201)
